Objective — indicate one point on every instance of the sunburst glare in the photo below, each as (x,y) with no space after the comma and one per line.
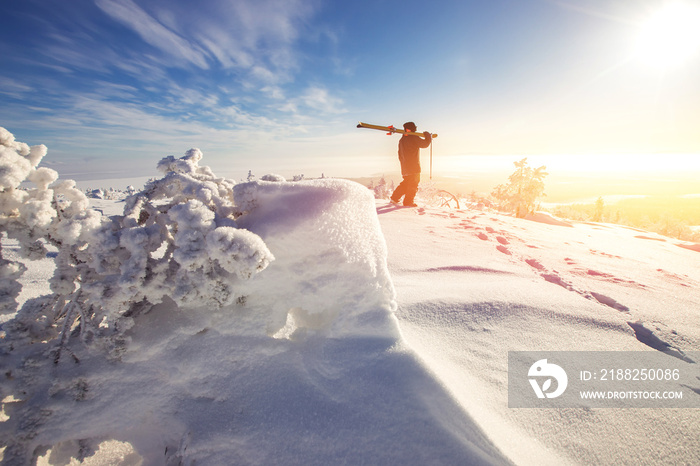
(670,37)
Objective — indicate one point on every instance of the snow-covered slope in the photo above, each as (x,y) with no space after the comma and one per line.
(473,285)
(378,335)
(309,369)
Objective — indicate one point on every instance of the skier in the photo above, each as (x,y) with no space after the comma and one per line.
(409,156)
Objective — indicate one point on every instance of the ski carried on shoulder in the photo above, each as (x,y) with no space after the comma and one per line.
(390,129)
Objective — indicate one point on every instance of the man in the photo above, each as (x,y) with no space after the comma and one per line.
(409,156)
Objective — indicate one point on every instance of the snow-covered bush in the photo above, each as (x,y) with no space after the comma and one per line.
(273,177)
(383,190)
(48,213)
(524,187)
(176,242)
(177,239)
(110,193)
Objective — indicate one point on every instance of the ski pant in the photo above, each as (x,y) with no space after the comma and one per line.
(408,188)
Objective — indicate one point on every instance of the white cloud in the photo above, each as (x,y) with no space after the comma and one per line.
(153,32)
(146,68)
(255,36)
(183,98)
(250,34)
(318,98)
(228,57)
(289,107)
(13,88)
(73,54)
(235,88)
(274,92)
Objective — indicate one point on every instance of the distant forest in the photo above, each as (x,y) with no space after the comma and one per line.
(673,216)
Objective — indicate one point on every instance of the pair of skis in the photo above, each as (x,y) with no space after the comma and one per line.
(392,130)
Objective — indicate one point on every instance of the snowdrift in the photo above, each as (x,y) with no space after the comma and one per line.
(473,285)
(309,368)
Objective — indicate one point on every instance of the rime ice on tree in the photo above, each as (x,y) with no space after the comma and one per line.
(525,186)
(177,239)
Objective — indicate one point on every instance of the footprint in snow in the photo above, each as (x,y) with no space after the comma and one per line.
(503,249)
(609,278)
(557,280)
(604,254)
(535,264)
(648,337)
(610,302)
(650,238)
(681,280)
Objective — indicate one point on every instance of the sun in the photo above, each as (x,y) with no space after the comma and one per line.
(670,37)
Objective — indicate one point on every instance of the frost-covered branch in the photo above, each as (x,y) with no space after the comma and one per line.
(25,214)
(177,238)
(525,186)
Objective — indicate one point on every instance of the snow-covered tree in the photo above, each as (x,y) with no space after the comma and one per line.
(599,210)
(177,239)
(273,177)
(381,191)
(523,189)
(49,212)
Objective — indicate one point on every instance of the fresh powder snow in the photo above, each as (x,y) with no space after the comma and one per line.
(353,332)
(472,285)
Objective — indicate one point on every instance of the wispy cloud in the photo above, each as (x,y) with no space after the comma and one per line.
(221,74)
(13,88)
(318,98)
(253,35)
(153,32)
(315,100)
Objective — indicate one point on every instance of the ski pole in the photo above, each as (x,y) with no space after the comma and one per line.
(431,159)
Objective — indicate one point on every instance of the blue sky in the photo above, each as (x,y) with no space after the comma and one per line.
(111,86)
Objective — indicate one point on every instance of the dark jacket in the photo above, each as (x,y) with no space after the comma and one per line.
(409,153)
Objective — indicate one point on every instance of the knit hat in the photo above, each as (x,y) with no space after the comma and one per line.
(410,126)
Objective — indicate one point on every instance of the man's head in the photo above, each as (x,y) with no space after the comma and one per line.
(410,126)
